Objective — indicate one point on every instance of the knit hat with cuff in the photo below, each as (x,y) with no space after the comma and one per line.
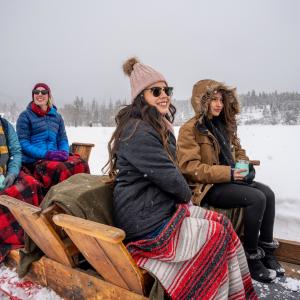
(141,76)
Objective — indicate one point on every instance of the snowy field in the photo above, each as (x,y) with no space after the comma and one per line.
(277,148)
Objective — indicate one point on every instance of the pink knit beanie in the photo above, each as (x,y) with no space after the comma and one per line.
(141,76)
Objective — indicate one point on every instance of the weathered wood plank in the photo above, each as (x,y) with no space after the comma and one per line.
(102,247)
(95,255)
(38,228)
(105,232)
(288,251)
(20,206)
(71,283)
(83,149)
(75,284)
(124,263)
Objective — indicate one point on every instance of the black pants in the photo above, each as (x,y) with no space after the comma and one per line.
(258,201)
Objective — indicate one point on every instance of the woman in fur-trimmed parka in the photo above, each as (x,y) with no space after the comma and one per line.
(208,148)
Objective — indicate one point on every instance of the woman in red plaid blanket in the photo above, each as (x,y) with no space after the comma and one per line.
(14,183)
(44,141)
(194,253)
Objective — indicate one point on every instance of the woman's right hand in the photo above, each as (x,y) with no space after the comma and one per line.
(237,176)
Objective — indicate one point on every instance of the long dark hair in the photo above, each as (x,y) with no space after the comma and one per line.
(137,111)
(228,114)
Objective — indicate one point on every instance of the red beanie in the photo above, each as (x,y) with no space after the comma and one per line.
(43,85)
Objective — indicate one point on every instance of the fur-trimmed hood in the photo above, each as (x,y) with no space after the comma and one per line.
(203,91)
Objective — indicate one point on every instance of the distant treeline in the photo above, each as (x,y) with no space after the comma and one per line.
(276,108)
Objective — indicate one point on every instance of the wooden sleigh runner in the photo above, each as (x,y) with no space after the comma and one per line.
(114,274)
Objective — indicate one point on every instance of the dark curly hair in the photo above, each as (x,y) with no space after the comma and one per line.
(137,111)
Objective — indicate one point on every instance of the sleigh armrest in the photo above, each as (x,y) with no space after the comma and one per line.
(100,231)
(103,248)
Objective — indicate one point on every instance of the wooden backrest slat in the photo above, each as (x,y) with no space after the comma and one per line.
(38,228)
(124,263)
(104,232)
(104,250)
(94,254)
(83,149)
(20,206)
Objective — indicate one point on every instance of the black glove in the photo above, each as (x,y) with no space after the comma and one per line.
(251,175)
(9,180)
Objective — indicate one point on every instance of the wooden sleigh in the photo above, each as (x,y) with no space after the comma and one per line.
(114,275)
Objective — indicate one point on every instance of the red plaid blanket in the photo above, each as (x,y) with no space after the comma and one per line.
(196,256)
(50,173)
(27,189)
(32,189)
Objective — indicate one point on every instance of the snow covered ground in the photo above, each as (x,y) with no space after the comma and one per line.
(277,148)
(11,287)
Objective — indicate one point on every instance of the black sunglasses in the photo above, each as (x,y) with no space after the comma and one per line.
(37,92)
(156,90)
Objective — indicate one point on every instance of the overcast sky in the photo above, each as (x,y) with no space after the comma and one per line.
(78,46)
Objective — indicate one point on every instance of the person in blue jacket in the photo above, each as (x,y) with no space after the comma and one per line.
(41,129)
(16,183)
(44,141)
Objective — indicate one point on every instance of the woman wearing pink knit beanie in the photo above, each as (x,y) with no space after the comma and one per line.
(194,253)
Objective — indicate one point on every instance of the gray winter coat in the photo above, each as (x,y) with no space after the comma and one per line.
(148,184)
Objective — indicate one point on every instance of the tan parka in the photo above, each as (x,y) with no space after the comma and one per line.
(198,150)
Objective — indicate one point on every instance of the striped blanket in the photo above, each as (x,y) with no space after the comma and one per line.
(196,256)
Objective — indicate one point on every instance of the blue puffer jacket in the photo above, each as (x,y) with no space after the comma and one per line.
(39,134)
